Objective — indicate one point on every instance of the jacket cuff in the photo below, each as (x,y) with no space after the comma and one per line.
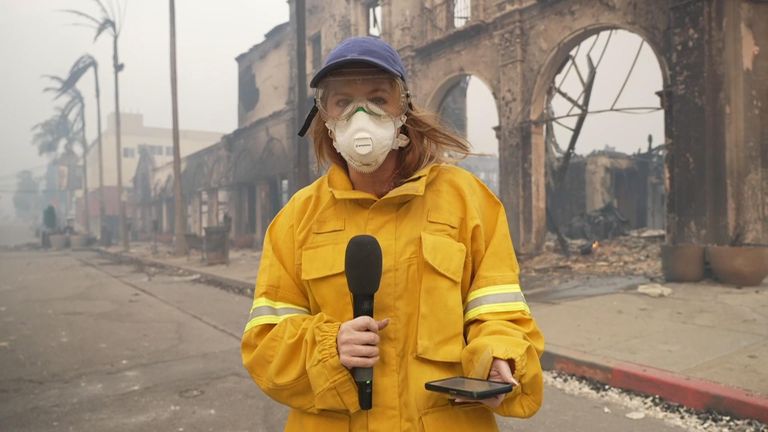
(335,389)
(477,357)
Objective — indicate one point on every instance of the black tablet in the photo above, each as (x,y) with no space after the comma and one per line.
(469,388)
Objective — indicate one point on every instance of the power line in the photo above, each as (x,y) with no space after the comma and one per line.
(597,65)
(629,74)
(627,110)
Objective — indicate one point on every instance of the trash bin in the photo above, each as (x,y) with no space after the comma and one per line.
(216,245)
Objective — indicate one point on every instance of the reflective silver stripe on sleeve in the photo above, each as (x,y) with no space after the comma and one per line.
(494,299)
(509,297)
(269,310)
(265,311)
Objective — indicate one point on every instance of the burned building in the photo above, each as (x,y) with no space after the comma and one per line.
(243,176)
(628,187)
(715,90)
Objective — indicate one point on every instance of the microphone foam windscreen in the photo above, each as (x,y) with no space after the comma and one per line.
(362,265)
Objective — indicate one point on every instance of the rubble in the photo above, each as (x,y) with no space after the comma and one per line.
(603,223)
(635,254)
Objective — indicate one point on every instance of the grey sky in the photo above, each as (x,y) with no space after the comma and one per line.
(37,39)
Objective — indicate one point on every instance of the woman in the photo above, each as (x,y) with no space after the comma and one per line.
(449,302)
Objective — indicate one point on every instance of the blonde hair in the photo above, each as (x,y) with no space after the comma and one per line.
(431,142)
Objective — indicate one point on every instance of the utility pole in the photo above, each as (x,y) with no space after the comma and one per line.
(85,170)
(102,211)
(301,162)
(180,243)
(123,228)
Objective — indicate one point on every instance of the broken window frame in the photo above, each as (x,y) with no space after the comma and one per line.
(461,12)
(555,172)
(373,18)
(577,102)
(315,44)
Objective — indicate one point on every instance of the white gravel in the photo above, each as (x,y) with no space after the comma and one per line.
(639,406)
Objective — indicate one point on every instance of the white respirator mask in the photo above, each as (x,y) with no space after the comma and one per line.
(365,139)
(363,109)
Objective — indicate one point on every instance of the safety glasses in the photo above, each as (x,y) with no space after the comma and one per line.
(345,92)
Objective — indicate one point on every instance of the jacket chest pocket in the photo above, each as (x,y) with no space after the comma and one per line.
(441,315)
(322,270)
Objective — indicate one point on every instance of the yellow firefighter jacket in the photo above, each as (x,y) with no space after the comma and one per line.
(449,285)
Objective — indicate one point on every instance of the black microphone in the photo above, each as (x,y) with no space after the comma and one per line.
(362,266)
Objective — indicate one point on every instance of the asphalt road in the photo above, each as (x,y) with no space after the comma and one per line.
(90,345)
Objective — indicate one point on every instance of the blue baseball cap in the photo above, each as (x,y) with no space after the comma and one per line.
(362,49)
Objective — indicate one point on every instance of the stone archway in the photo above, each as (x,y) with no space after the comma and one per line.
(466,103)
(534,126)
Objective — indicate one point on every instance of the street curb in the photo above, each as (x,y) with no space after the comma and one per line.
(235,286)
(694,393)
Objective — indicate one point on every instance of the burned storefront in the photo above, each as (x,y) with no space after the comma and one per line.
(244,187)
(242,180)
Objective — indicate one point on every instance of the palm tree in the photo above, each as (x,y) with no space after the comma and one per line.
(81,66)
(75,105)
(108,21)
(50,133)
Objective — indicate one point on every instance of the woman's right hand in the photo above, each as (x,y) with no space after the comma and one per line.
(358,340)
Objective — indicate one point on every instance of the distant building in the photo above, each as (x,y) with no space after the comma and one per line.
(135,139)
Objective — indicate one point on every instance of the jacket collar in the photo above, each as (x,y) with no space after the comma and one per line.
(341,186)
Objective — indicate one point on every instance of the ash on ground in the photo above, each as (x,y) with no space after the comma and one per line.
(640,406)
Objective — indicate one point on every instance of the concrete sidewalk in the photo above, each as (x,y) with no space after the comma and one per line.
(705,345)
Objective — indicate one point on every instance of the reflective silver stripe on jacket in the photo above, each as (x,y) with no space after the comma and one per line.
(495,298)
(265,311)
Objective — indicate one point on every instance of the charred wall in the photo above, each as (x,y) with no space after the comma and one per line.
(713,58)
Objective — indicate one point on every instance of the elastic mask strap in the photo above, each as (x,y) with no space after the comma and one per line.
(308,121)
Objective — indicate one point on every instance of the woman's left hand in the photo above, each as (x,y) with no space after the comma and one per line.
(500,371)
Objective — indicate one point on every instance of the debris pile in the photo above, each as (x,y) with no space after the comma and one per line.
(638,253)
(603,223)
